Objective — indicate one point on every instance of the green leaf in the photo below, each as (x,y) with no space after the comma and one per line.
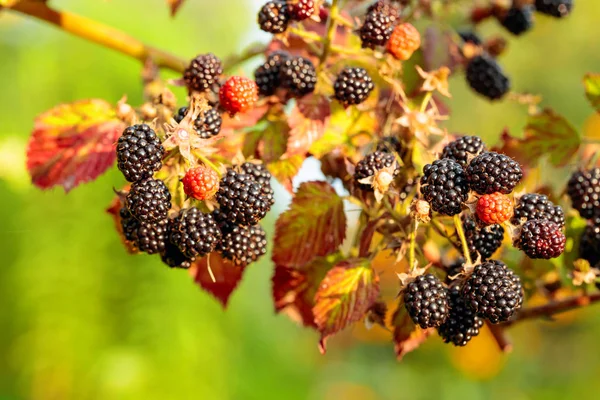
(591,82)
(345,295)
(407,336)
(268,140)
(314,226)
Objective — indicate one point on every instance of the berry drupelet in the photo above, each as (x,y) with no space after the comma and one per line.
(444,186)
(195,233)
(555,8)
(583,189)
(267,76)
(537,206)
(260,174)
(241,199)
(243,244)
(462,323)
(485,76)
(426,301)
(274,16)
(369,165)
(203,72)
(238,94)
(518,20)
(493,172)
(353,86)
(541,239)
(207,125)
(298,75)
(149,200)
(463,149)
(139,152)
(482,242)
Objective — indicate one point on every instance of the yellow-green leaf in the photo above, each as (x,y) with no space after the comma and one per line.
(591,82)
(285,169)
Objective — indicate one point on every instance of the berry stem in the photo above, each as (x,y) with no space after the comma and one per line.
(330,35)
(425,102)
(310,36)
(499,334)
(208,163)
(99,33)
(252,51)
(413,243)
(589,140)
(463,240)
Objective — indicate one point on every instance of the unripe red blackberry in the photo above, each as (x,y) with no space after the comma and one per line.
(241,199)
(267,76)
(584,190)
(518,20)
(203,72)
(495,208)
(243,244)
(589,246)
(485,76)
(482,241)
(462,323)
(260,174)
(537,206)
(540,238)
(493,291)
(149,200)
(353,86)
(301,9)
(463,149)
(555,8)
(444,186)
(207,125)
(139,152)
(274,17)
(174,258)
(298,75)
(369,165)
(404,41)
(426,301)
(201,183)
(195,233)
(238,94)
(493,172)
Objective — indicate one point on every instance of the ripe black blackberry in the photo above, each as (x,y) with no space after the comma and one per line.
(129,224)
(150,237)
(540,238)
(243,244)
(274,17)
(493,291)
(267,75)
(369,165)
(203,72)
(426,301)
(298,75)
(518,20)
(139,152)
(407,188)
(485,76)
(464,148)
(376,29)
(390,144)
(482,242)
(537,206)
(149,200)
(195,233)
(470,37)
(206,125)
(555,8)
(241,199)
(353,86)
(493,172)
(462,323)
(261,175)
(584,190)
(589,246)
(174,258)
(444,186)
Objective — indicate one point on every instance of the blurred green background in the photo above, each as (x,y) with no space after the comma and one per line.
(81,319)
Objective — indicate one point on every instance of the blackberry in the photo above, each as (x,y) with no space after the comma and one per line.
(261,175)
(267,75)
(139,152)
(390,144)
(203,72)
(408,187)
(196,234)
(129,224)
(555,8)
(302,9)
(385,7)
(518,20)
(584,191)
(426,301)
(454,269)
(464,148)
(298,75)
(462,324)
(470,37)
(369,165)
(150,237)
(484,241)
(444,186)
(493,172)
(589,246)
(493,291)
(149,200)
(241,199)
(485,76)
(353,86)
(541,239)
(243,244)
(537,206)
(174,258)
(376,29)
(274,17)
(207,125)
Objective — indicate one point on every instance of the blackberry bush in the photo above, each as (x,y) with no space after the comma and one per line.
(589,245)
(267,76)
(274,17)
(518,20)
(368,167)
(554,8)
(260,174)
(243,244)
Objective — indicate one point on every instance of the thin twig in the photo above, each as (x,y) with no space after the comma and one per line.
(254,50)
(500,337)
(463,239)
(413,240)
(330,35)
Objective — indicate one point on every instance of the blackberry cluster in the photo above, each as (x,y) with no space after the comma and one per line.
(267,76)
(541,239)
(274,17)
(493,172)
(482,242)
(462,323)
(444,186)
(206,125)
(353,86)
(463,149)
(195,233)
(149,200)
(589,246)
(380,20)
(139,152)
(369,165)
(261,175)
(493,291)
(518,20)
(203,72)
(537,206)
(555,8)
(485,76)
(426,301)
(243,244)
(298,75)
(241,199)
(583,189)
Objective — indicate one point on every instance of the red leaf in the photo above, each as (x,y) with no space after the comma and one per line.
(407,336)
(345,295)
(227,276)
(232,138)
(174,5)
(314,226)
(73,143)
(285,169)
(366,237)
(303,131)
